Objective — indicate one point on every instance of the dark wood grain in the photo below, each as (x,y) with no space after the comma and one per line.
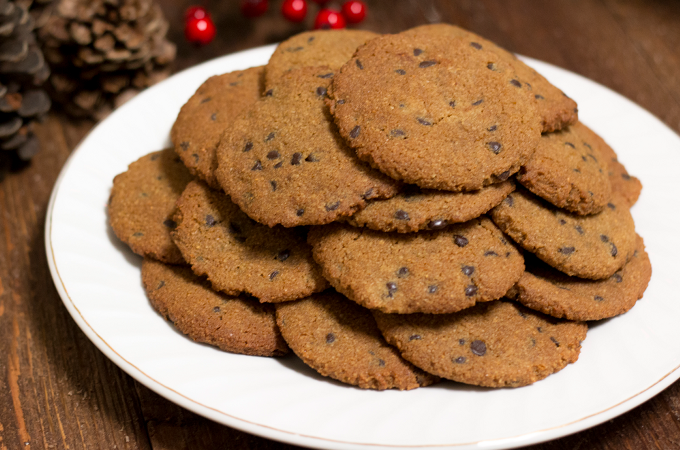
(57,391)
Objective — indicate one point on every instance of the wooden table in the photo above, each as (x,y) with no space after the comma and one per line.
(58,391)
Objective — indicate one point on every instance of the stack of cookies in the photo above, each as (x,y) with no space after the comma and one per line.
(393,209)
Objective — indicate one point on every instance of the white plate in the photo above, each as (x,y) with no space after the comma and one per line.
(624,361)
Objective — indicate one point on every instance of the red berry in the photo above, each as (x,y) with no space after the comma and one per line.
(328,18)
(354,11)
(200,31)
(294,10)
(254,8)
(195,12)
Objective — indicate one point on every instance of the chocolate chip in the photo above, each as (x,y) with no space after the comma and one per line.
(476,45)
(460,360)
(138,234)
(184,145)
(437,224)
(401,215)
(257,166)
(195,159)
(278,165)
(300,212)
(397,132)
(295,160)
(311,158)
(604,238)
(478,102)
(611,205)
(391,288)
(540,330)
(359,65)
(504,176)
(490,253)
(283,255)
(478,348)
(326,75)
(270,136)
(417,52)
(381,362)
(509,201)
(452,103)
(431,289)
(614,250)
(401,71)
(368,193)
(425,122)
(269,93)
(169,223)
(494,146)
(426,64)
(625,176)
(470,290)
(516,83)
(569,144)
(566,250)
(461,241)
(210,221)
(330,338)
(468,270)
(321,91)
(402,272)
(577,171)
(522,314)
(598,298)
(273,275)
(579,229)
(273,154)
(213,117)
(340,102)
(216,309)
(273,183)
(584,158)
(248,147)
(492,128)
(563,222)
(618,278)
(415,337)
(333,206)
(461,341)
(161,284)
(557,344)
(491,66)
(355,132)
(539,97)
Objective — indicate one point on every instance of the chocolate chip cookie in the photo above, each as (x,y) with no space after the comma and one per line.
(569,170)
(339,339)
(235,324)
(593,247)
(415,209)
(555,108)
(283,161)
(547,290)
(430,272)
(496,344)
(331,48)
(208,112)
(142,203)
(434,111)
(239,255)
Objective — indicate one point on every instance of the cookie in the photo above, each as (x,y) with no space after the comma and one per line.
(547,290)
(235,324)
(554,107)
(569,170)
(593,247)
(435,112)
(283,162)
(414,209)
(431,272)
(623,184)
(339,339)
(496,344)
(201,121)
(331,48)
(239,255)
(142,203)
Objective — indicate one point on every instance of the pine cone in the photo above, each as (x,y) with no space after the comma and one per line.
(103,52)
(22,71)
